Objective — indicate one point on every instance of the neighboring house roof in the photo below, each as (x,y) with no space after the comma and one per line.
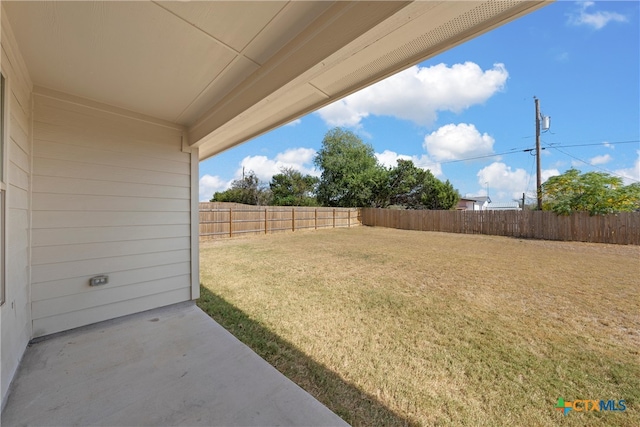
(503,206)
(479,199)
(229,71)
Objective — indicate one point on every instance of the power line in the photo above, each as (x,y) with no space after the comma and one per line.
(481,157)
(560,144)
(533,164)
(590,164)
(600,140)
(599,143)
(525,150)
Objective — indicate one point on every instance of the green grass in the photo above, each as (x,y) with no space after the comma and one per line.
(392,327)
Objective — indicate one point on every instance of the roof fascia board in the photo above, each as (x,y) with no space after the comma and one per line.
(206,142)
(342,23)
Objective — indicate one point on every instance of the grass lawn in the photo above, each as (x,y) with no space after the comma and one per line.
(393,327)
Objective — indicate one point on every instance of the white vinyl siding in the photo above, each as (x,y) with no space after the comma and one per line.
(15,313)
(111,195)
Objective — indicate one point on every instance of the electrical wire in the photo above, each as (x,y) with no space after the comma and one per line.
(480,157)
(555,147)
(559,144)
(599,143)
(533,163)
(549,145)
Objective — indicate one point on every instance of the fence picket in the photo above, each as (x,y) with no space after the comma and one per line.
(219,220)
(621,228)
(222,220)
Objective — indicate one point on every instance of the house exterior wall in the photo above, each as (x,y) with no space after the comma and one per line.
(112,194)
(465,205)
(15,313)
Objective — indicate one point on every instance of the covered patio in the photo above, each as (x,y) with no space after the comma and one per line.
(107,109)
(167,366)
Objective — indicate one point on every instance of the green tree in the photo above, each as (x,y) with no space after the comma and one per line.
(350,171)
(595,192)
(399,185)
(247,190)
(291,188)
(351,176)
(415,188)
(438,195)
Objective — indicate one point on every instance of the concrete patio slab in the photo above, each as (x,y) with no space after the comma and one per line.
(168,366)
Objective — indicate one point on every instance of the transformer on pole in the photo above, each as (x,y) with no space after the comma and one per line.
(543,122)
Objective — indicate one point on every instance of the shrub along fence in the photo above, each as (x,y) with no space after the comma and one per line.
(622,228)
(220,220)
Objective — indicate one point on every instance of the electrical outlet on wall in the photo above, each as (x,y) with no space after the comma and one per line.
(99,280)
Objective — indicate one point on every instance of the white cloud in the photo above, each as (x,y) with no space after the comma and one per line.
(600,160)
(210,184)
(294,122)
(503,181)
(507,184)
(608,145)
(632,174)
(300,159)
(390,159)
(455,142)
(418,94)
(596,20)
(594,161)
(343,113)
(296,156)
(548,173)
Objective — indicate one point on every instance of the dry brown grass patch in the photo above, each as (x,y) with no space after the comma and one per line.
(434,328)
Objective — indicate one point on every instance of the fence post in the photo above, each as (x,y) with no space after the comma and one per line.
(230,222)
(293,219)
(266,221)
(349,218)
(334,217)
(315,219)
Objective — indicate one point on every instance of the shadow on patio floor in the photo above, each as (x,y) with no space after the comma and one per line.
(351,404)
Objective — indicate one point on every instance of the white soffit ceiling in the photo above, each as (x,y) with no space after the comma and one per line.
(418,31)
(229,71)
(133,55)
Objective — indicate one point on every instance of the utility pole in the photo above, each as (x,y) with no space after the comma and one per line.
(538,173)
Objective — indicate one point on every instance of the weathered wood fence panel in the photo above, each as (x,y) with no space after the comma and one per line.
(622,228)
(219,220)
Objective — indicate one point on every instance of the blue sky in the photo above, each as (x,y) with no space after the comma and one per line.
(581,59)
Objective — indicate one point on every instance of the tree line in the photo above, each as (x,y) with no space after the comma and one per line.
(351,176)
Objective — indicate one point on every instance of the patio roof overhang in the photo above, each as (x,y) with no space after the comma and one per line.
(229,71)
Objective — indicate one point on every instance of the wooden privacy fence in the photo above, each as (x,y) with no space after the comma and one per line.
(219,220)
(621,228)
